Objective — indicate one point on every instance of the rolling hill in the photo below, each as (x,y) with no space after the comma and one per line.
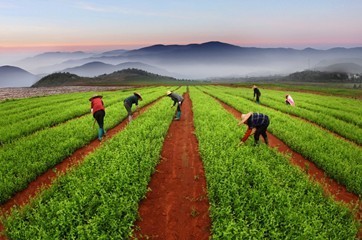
(123,77)
(11,76)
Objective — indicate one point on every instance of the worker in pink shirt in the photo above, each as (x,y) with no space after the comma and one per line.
(289,100)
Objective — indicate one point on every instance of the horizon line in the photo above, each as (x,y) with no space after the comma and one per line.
(133,46)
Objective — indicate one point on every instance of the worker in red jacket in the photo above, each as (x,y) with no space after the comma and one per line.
(98,111)
(257,125)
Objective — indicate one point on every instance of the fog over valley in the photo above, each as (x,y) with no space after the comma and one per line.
(192,61)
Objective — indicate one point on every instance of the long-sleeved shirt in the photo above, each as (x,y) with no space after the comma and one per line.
(176,98)
(132,100)
(97,104)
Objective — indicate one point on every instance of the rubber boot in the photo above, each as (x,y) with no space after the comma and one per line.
(266,140)
(130,118)
(103,131)
(178,115)
(100,134)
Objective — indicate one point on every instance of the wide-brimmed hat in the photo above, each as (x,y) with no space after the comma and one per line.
(95,96)
(254,86)
(138,95)
(245,117)
(168,93)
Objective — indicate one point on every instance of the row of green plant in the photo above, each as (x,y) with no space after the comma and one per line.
(321,116)
(254,192)
(343,90)
(339,159)
(99,198)
(27,122)
(307,101)
(15,106)
(341,104)
(23,160)
(23,109)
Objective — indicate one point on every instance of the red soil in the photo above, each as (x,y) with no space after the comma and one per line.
(177,205)
(45,180)
(330,186)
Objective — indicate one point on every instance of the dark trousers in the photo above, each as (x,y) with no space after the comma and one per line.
(261,130)
(257,98)
(99,116)
(128,108)
(179,106)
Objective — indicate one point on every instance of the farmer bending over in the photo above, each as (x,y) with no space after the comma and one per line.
(97,108)
(289,100)
(128,104)
(257,93)
(176,99)
(257,124)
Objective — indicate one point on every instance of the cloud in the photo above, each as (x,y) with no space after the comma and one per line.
(128,11)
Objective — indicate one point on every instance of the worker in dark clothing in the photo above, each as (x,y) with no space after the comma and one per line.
(98,111)
(257,93)
(132,100)
(257,125)
(177,99)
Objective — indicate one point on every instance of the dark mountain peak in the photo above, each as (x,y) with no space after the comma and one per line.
(192,46)
(216,44)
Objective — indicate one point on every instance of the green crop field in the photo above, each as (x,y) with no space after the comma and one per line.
(254,192)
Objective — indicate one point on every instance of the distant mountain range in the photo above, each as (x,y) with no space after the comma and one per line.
(197,61)
(11,76)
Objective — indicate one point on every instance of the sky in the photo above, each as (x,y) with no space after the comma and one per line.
(99,25)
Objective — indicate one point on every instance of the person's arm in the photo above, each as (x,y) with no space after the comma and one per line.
(247,134)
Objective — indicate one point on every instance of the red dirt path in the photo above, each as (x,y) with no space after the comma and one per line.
(177,207)
(45,180)
(330,186)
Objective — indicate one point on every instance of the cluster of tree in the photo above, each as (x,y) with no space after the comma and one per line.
(317,76)
(57,79)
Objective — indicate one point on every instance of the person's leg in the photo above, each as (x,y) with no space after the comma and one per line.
(101,124)
(257,135)
(99,116)
(178,112)
(263,132)
(129,111)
